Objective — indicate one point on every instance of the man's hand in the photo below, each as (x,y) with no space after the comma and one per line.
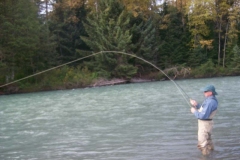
(193,102)
(193,110)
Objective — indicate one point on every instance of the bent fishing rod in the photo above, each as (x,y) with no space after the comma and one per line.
(184,94)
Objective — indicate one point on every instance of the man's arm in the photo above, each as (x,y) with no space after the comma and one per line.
(205,110)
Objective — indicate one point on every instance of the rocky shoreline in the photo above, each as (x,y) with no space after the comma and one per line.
(117,81)
(13,89)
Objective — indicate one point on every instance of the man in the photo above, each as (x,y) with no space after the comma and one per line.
(205,113)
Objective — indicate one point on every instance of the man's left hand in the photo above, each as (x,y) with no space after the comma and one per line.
(193,110)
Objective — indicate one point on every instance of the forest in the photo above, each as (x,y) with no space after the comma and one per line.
(184,38)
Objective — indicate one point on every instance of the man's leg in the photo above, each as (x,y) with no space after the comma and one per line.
(204,136)
(210,143)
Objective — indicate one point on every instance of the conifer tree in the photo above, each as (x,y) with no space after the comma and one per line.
(145,41)
(235,63)
(174,37)
(66,25)
(108,30)
(19,37)
(231,34)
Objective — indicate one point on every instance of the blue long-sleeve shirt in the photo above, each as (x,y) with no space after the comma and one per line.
(209,105)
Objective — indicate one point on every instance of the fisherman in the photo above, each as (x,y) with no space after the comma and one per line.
(205,113)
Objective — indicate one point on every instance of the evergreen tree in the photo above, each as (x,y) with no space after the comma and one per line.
(145,42)
(66,26)
(196,57)
(108,30)
(174,38)
(19,37)
(235,63)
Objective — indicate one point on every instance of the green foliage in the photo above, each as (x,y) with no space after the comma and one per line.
(222,71)
(202,38)
(108,29)
(174,38)
(62,78)
(125,71)
(234,66)
(79,77)
(146,45)
(19,41)
(205,70)
(199,13)
(66,26)
(145,41)
(196,57)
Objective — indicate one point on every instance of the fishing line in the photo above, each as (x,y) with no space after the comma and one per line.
(185,96)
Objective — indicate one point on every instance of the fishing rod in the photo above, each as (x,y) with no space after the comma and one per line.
(184,94)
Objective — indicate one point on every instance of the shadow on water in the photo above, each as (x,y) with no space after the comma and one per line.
(134,121)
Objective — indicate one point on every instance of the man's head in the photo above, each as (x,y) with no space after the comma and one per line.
(209,90)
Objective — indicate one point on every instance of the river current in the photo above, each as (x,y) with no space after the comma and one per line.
(142,121)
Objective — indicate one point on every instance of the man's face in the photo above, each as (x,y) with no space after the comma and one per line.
(207,93)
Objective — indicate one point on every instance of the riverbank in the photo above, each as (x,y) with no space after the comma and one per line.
(14,89)
(100,82)
(69,78)
(117,81)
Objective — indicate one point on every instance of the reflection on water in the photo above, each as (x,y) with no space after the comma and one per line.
(135,121)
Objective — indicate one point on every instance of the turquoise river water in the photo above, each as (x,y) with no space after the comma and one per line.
(142,121)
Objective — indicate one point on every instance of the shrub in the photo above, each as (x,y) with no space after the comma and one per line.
(205,70)
(234,66)
(79,77)
(125,71)
(61,78)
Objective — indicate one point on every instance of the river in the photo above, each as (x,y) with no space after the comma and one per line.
(142,121)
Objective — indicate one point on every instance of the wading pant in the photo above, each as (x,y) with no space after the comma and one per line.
(204,136)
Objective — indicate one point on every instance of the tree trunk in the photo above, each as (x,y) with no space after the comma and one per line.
(225,44)
(219,40)
(46,10)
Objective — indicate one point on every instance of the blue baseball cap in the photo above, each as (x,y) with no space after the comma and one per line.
(210,88)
